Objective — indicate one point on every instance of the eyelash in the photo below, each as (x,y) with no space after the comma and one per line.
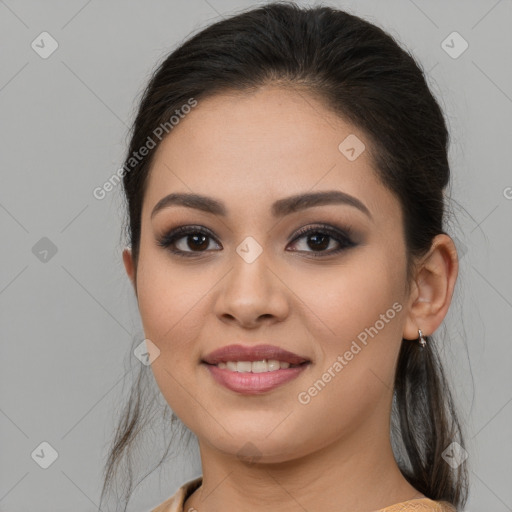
(344,238)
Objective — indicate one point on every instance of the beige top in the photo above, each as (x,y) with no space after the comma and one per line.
(175,502)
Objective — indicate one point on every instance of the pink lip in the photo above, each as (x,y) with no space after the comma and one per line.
(254,383)
(252,353)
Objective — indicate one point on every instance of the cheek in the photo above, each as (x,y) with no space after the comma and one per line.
(361,320)
(341,302)
(171,305)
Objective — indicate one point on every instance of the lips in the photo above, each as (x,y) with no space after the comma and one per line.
(253,353)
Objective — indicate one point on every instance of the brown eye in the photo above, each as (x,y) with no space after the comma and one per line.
(196,241)
(186,240)
(320,238)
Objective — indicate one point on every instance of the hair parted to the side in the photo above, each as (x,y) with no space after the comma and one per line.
(361,73)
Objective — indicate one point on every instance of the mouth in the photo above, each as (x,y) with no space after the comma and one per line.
(262,366)
(254,370)
(263,355)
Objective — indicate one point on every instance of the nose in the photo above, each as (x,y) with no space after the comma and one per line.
(251,294)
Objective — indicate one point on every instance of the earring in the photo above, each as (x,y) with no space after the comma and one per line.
(422,340)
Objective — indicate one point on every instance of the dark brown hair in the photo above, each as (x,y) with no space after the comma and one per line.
(361,73)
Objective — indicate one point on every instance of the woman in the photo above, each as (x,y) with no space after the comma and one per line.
(285,190)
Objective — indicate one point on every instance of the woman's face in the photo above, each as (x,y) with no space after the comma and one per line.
(338,301)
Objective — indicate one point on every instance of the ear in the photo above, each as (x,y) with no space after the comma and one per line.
(432,289)
(129,266)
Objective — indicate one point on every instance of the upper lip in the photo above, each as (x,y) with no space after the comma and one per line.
(252,353)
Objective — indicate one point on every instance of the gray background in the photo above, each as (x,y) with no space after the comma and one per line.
(68,320)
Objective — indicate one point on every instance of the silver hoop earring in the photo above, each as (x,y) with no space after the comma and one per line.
(422,340)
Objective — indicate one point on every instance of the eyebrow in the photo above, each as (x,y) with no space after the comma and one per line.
(280,208)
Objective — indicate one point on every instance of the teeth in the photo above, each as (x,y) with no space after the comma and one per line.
(255,366)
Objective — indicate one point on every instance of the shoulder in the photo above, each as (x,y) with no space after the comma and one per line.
(420,505)
(176,501)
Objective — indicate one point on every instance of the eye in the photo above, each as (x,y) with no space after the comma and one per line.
(195,238)
(320,237)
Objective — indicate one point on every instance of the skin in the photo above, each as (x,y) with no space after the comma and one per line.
(248,151)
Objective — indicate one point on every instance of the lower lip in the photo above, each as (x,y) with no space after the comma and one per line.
(254,383)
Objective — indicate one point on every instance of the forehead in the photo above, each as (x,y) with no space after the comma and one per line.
(250,149)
